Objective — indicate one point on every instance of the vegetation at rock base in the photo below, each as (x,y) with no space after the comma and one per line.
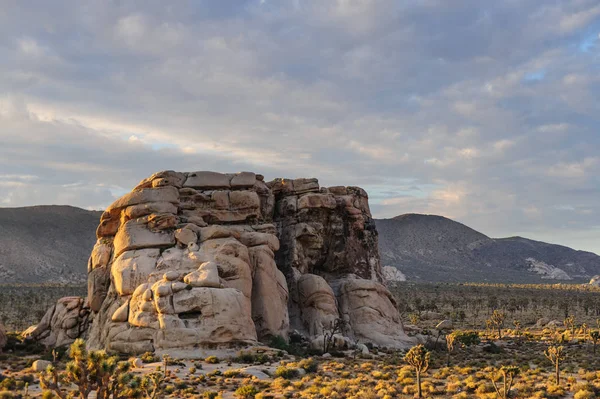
(469,362)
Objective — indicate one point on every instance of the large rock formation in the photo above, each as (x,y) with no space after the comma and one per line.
(202,259)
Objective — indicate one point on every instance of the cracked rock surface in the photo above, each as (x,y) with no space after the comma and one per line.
(206,259)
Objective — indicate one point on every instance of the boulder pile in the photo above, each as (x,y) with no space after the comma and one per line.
(62,324)
(206,259)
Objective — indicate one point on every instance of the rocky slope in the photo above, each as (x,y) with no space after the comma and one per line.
(45,243)
(434,248)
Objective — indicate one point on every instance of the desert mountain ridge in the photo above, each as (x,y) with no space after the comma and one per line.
(46,243)
(51,243)
(435,248)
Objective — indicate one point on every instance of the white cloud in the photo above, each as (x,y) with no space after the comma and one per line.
(30,47)
(370,93)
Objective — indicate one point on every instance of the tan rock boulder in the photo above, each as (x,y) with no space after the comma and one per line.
(303,185)
(243,180)
(98,285)
(99,273)
(140,210)
(186,236)
(133,268)
(161,179)
(207,180)
(269,294)
(40,365)
(370,311)
(207,275)
(541,323)
(62,323)
(316,201)
(136,234)
(101,254)
(317,302)
(145,196)
(338,342)
(225,314)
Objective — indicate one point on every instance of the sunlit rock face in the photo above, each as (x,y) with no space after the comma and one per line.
(204,259)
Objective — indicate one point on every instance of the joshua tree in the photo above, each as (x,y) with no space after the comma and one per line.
(517,325)
(166,364)
(569,323)
(460,338)
(418,357)
(336,327)
(52,380)
(450,339)
(496,321)
(151,384)
(555,355)
(508,374)
(91,371)
(595,336)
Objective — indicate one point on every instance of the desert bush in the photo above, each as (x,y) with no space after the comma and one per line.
(309,365)
(212,360)
(149,357)
(286,372)
(246,392)
(584,394)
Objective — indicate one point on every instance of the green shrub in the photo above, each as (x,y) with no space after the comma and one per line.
(278,342)
(212,360)
(262,358)
(584,394)
(246,392)
(309,365)
(214,373)
(492,348)
(245,357)
(8,384)
(149,357)
(170,389)
(286,372)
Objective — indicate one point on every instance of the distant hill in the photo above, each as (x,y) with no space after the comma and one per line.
(435,248)
(46,243)
(52,244)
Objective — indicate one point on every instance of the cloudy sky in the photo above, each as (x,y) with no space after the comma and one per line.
(487,112)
